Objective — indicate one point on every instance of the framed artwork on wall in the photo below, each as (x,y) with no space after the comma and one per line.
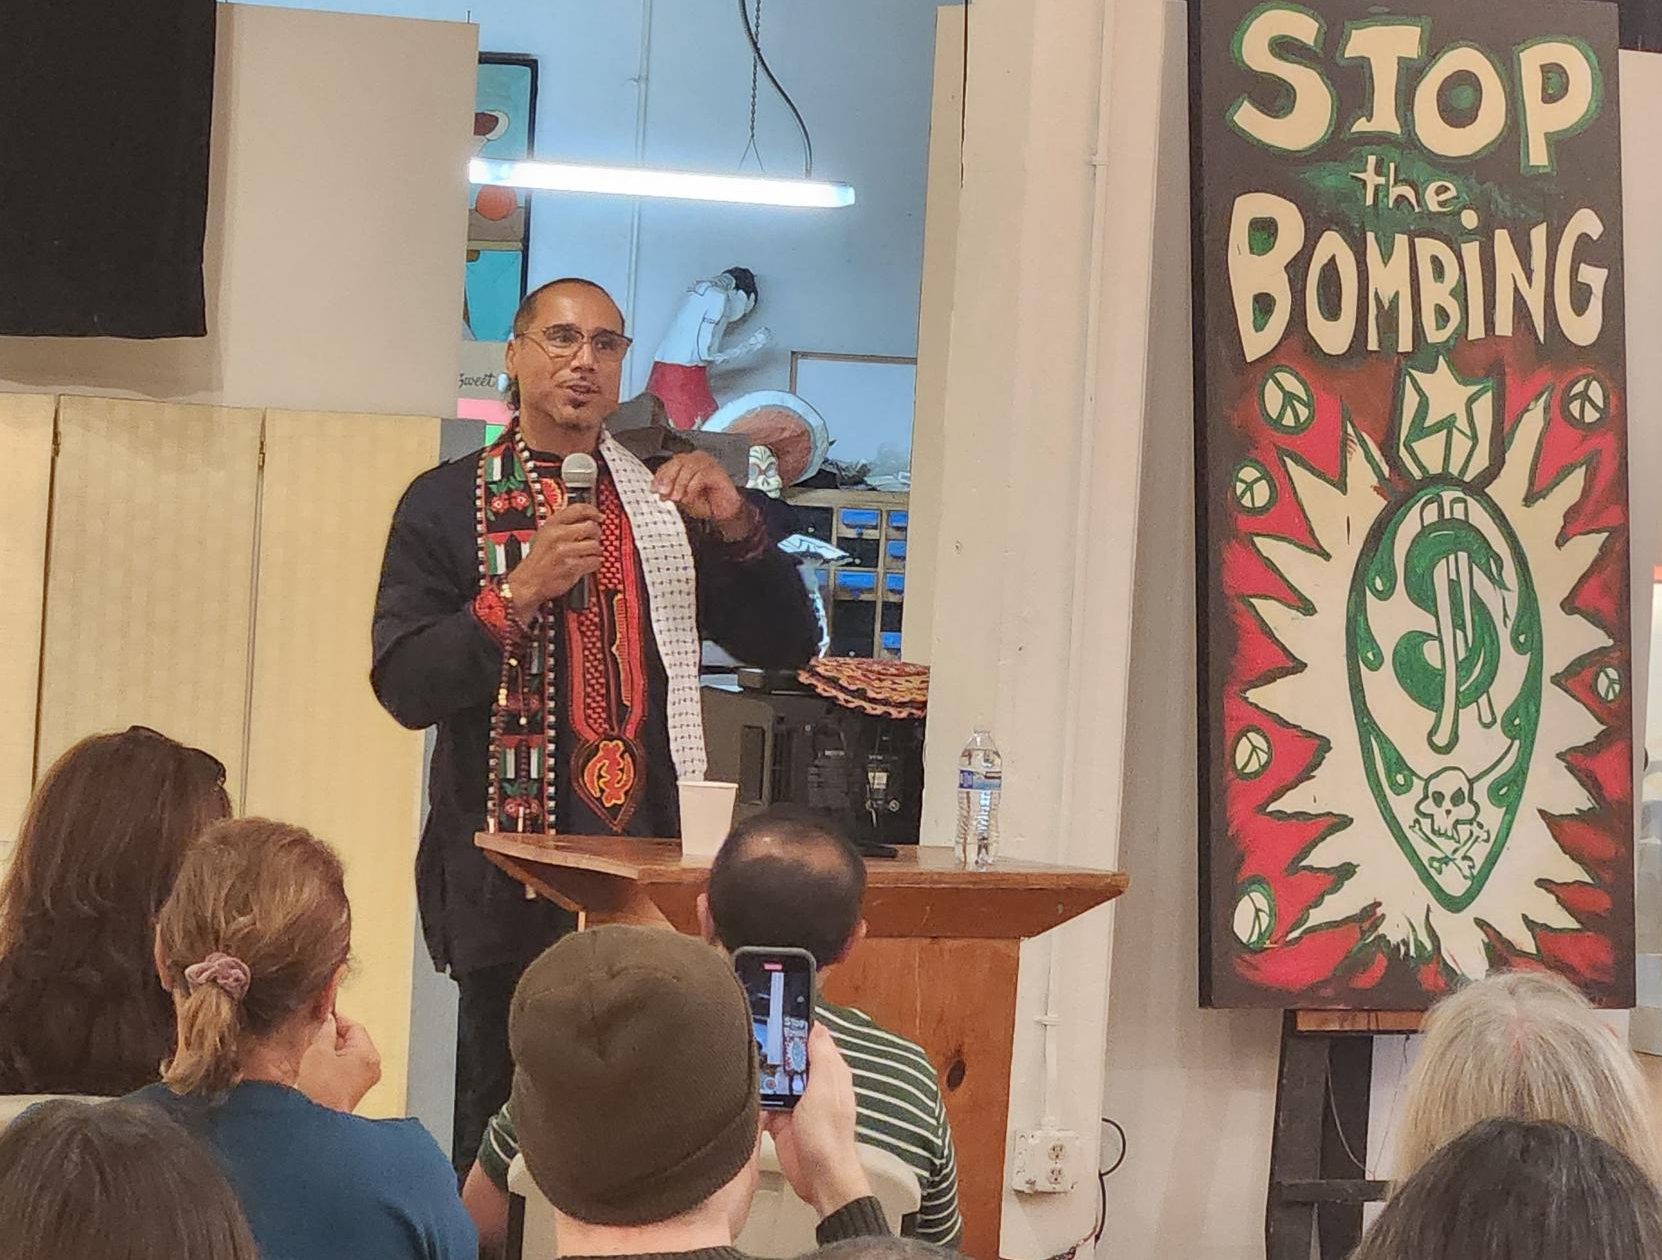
(1416,737)
(867,401)
(499,219)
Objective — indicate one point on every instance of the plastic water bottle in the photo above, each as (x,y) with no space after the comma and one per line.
(980,781)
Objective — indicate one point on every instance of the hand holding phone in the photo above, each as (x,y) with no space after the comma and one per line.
(779,984)
(815,1141)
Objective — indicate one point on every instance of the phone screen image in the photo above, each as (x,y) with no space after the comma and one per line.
(780,986)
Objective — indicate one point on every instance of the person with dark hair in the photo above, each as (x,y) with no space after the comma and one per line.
(635,1081)
(253,945)
(113,1181)
(787,878)
(96,856)
(1521,1190)
(555,714)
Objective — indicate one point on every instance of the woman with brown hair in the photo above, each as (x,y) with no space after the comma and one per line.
(253,944)
(80,1010)
(116,1181)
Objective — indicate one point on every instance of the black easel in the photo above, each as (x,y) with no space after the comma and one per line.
(1318,1181)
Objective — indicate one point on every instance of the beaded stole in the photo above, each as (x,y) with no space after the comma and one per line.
(508,508)
(605,648)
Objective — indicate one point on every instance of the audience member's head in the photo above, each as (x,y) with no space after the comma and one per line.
(635,1079)
(116,1181)
(1527,1046)
(636,1102)
(97,854)
(253,945)
(786,878)
(1521,1190)
(883,1247)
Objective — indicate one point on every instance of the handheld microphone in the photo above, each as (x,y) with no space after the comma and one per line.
(578,473)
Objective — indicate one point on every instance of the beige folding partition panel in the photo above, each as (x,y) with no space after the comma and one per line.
(149,586)
(321,752)
(211,572)
(25,486)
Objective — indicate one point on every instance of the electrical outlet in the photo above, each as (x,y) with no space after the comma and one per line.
(1046,1161)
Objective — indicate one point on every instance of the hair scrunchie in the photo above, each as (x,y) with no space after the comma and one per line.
(230,974)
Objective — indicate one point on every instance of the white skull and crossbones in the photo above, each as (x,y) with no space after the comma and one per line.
(1447,802)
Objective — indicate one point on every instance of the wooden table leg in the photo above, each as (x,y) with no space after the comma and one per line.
(956,999)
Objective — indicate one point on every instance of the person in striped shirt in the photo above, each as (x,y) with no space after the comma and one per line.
(787,878)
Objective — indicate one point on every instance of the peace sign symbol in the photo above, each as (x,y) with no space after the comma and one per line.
(1254,917)
(1607,684)
(1251,753)
(1285,401)
(1253,489)
(1585,401)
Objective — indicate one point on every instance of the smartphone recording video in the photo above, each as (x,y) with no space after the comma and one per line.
(780,986)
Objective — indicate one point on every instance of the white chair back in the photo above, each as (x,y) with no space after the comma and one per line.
(14,1105)
(780,1226)
(538,1237)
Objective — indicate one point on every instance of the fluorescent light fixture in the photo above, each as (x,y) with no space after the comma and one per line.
(636,181)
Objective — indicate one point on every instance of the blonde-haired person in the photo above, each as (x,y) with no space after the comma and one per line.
(253,944)
(1525,1046)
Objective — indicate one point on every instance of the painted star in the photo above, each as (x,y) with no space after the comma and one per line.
(1446,423)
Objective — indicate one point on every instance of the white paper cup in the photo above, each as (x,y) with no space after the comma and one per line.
(706,815)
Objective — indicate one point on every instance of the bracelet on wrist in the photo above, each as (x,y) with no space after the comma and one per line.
(516,615)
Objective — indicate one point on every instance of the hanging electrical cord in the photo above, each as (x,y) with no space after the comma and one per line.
(1339,1129)
(755,78)
(1102,1181)
(762,62)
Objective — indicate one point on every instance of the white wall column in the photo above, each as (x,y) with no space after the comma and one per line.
(1038,482)
(1193,1089)
(1641,80)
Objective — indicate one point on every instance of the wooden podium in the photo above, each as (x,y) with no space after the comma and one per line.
(938,964)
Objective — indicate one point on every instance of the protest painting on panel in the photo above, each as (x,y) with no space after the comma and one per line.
(1416,749)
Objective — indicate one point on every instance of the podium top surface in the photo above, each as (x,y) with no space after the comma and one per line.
(921,892)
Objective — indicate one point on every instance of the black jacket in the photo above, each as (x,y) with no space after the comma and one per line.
(436,665)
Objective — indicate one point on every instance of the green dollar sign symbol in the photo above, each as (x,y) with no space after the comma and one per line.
(1453,666)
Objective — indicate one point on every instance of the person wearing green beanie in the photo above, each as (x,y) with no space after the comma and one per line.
(636,1101)
(787,877)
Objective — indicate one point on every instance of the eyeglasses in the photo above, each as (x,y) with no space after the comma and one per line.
(213,764)
(563,341)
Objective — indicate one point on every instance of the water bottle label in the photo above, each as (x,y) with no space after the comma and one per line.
(969,781)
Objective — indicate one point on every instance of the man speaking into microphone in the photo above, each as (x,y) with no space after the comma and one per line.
(542,603)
